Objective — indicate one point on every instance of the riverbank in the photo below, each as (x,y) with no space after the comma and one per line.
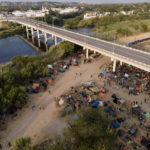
(9,29)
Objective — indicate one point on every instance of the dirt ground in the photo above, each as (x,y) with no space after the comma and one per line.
(134,37)
(145,46)
(40,124)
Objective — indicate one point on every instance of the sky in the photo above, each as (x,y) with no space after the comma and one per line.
(90,1)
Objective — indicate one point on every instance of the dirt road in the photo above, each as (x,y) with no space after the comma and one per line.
(40,124)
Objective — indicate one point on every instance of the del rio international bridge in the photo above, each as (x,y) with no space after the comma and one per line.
(116,52)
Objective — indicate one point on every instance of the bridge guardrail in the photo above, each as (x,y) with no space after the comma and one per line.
(110,54)
(133,49)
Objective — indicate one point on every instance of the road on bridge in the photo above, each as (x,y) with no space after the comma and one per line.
(128,53)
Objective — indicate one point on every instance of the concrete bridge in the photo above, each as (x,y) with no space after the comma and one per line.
(116,52)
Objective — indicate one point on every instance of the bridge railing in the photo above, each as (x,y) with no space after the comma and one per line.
(87,36)
(124,59)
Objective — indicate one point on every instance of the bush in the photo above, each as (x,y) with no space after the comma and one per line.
(124,32)
(144,28)
(87,132)
(22,144)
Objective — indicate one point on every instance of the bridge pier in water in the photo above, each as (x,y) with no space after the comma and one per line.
(27,30)
(32,34)
(39,40)
(46,39)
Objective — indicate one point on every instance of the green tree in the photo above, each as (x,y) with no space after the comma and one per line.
(22,144)
(87,132)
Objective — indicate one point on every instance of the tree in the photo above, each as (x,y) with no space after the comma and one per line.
(22,144)
(87,132)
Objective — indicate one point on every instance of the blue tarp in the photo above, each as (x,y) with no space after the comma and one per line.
(115,125)
(74,117)
(104,72)
(67,63)
(96,103)
(62,70)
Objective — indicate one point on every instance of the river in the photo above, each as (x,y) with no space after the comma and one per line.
(14,46)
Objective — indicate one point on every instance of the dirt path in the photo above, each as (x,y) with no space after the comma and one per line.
(40,124)
(134,37)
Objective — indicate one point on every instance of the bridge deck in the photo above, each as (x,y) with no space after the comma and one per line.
(120,52)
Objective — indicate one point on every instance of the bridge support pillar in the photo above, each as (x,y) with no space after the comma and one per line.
(120,63)
(46,44)
(32,33)
(87,53)
(38,35)
(55,40)
(114,65)
(27,32)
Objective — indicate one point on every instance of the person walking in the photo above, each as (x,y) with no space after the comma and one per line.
(8,144)
(33,106)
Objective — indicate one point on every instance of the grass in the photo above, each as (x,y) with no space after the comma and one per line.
(133,27)
(9,29)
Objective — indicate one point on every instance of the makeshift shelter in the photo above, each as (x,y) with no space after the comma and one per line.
(36,86)
(50,66)
(95,104)
(102,95)
(62,70)
(75,116)
(104,72)
(115,125)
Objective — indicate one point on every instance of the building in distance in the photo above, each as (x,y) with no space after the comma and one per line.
(31,13)
(65,10)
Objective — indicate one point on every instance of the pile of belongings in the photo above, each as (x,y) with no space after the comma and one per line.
(115,99)
(64,66)
(136,110)
(146,143)
(135,80)
(87,94)
(110,111)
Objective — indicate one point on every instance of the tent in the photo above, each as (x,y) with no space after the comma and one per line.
(104,72)
(115,125)
(126,75)
(62,70)
(96,103)
(50,66)
(67,63)
(102,95)
(146,114)
(75,116)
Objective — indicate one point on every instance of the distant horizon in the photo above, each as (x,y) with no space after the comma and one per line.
(85,1)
